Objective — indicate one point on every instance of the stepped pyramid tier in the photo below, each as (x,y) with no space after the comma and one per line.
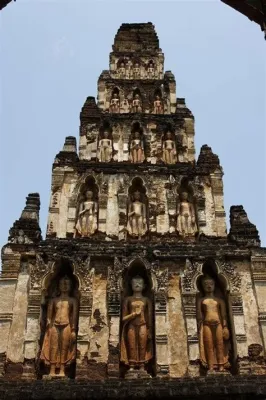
(137,276)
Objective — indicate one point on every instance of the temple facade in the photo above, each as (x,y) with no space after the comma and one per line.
(137,277)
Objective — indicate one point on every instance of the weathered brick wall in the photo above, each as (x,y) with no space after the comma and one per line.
(219,388)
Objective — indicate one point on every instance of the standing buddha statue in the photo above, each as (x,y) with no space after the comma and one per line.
(136,339)
(59,345)
(213,329)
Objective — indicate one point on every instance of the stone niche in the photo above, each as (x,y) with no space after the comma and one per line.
(87,209)
(59,310)
(220,303)
(119,297)
(132,336)
(227,288)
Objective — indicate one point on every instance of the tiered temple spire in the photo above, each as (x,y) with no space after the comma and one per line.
(136,277)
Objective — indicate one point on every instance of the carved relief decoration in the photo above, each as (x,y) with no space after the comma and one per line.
(85,274)
(114,287)
(39,269)
(40,272)
(161,278)
(114,276)
(194,269)
(226,269)
(160,288)
(20,238)
(91,133)
(190,276)
(81,269)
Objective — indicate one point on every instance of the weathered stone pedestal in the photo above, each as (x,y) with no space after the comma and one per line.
(55,378)
(133,374)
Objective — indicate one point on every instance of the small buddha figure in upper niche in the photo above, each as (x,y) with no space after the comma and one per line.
(169,149)
(87,216)
(158,105)
(213,329)
(59,345)
(105,148)
(114,104)
(124,108)
(122,70)
(136,148)
(136,339)
(136,70)
(136,104)
(150,70)
(186,220)
(137,222)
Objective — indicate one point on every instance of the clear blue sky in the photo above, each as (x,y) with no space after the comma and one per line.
(52,53)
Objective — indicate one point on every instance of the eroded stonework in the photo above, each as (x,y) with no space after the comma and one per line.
(136,227)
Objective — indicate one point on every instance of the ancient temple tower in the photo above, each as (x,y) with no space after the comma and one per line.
(137,277)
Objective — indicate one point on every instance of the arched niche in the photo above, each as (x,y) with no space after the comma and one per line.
(121,66)
(136,67)
(157,92)
(137,101)
(187,220)
(168,128)
(120,61)
(50,293)
(221,292)
(136,61)
(87,208)
(136,268)
(158,106)
(150,69)
(105,127)
(105,143)
(136,144)
(136,127)
(115,101)
(137,209)
(168,145)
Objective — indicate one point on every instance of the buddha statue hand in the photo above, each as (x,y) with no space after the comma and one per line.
(138,311)
(48,325)
(226,333)
(73,337)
